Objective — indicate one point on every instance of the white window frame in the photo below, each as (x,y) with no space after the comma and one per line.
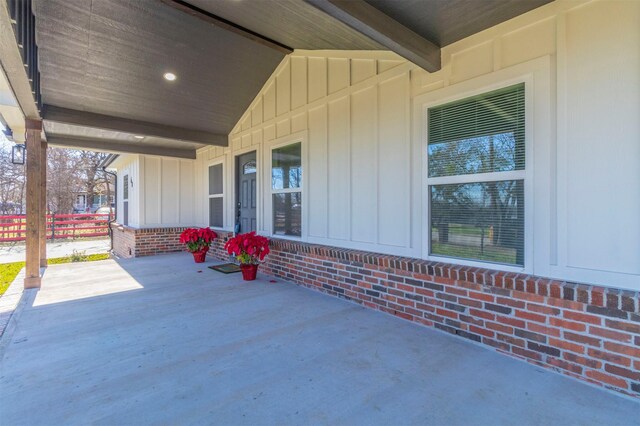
(451,94)
(219,161)
(301,138)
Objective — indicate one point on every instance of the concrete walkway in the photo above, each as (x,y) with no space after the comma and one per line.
(10,253)
(161,340)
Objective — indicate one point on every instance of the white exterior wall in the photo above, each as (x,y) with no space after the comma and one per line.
(128,165)
(360,117)
(163,190)
(169,192)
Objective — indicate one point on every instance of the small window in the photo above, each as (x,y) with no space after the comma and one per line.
(249,167)
(125,187)
(216,196)
(476,163)
(286,189)
(125,200)
(125,218)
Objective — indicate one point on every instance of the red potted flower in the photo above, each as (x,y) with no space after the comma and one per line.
(250,249)
(198,242)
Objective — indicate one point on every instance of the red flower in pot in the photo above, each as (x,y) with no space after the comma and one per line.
(198,241)
(250,249)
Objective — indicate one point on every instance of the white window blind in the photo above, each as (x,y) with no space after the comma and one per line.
(476,163)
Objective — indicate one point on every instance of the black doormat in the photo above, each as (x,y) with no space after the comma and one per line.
(226,268)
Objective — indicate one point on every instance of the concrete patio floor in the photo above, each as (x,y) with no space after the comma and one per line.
(156,341)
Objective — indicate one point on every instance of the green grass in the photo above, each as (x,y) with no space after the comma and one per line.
(78,257)
(490,254)
(9,271)
(470,230)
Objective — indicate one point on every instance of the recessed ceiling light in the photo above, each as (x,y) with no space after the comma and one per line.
(139,137)
(169,76)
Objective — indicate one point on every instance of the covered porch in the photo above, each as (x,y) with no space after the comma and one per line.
(181,91)
(163,340)
(168,78)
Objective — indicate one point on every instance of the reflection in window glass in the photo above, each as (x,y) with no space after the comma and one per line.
(216,212)
(125,187)
(479,221)
(216,196)
(287,214)
(481,134)
(286,167)
(249,167)
(215,179)
(486,154)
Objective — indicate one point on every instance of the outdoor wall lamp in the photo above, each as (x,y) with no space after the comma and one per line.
(17,154)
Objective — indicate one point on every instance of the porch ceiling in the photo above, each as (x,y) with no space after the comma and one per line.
(108,57)
(447,21)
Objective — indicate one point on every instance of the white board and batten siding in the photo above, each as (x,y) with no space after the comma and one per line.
(360,118)
(161,191)
(128,166)
(353,116)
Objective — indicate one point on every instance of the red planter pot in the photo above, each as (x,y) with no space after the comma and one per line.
(249,272)
(200,256)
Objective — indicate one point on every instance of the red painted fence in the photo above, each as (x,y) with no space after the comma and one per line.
(13,228)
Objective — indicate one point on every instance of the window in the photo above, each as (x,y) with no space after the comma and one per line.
(476,170)
(125,200)
(125,187)
(286,190)
(216,196)
(249,167)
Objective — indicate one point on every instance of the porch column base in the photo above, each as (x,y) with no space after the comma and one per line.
(32,282)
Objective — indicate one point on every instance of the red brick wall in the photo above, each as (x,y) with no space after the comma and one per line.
(124,241)
(588,332)
(132,242)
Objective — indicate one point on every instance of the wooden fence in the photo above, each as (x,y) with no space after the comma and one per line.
(59,226)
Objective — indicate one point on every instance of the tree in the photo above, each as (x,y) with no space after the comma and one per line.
(69,172)
(72,172)
(93,179)
(496,205)
(63,180)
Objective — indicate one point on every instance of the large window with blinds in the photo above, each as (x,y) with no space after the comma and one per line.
(216,196)
(476,171)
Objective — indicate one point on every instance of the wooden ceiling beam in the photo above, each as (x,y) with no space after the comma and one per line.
(108,145)
(366,19)
(142,128)
(210,18)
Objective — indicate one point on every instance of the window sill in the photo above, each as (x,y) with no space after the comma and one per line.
(477,264)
